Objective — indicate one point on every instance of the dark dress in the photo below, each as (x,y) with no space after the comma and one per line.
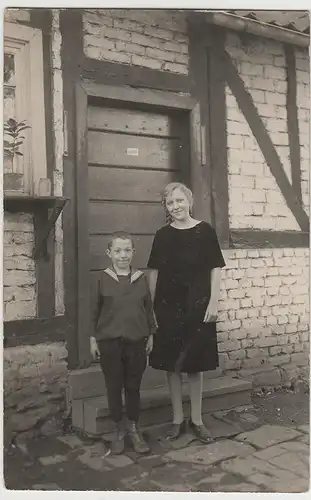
(184,259)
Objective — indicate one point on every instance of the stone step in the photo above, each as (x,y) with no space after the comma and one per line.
(220,393)
(90,382)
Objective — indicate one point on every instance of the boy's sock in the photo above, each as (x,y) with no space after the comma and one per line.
(139,444)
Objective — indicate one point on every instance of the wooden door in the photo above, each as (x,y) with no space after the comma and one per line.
(132,155)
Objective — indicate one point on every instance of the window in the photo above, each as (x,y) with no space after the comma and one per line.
(24,100)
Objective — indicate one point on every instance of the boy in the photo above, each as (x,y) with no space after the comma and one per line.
(123,326)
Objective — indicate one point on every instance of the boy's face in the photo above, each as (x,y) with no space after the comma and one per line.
(121,253)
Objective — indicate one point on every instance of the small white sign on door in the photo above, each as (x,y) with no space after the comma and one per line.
(132,151)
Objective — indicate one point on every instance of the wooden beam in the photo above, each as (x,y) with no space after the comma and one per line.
(201,162)
(109,73)
(45,269)
(72,54)
(34,331)
(159,98)
(218,136)
(292,120)
(245,238)
(82,200)
(263,138)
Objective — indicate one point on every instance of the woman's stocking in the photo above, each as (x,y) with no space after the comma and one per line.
(175,387)
(195,382)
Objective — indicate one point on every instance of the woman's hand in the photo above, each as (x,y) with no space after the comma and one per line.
(94,348)
(149,345)
(211,312)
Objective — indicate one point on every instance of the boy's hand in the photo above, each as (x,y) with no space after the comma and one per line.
(94,348)
(149,345)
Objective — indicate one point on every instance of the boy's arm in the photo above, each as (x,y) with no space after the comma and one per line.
(96,306)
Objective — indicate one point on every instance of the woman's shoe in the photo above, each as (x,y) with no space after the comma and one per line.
(176,430)
(201,432)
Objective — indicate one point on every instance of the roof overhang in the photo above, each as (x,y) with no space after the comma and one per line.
(254,27)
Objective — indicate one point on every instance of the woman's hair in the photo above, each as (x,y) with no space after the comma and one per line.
(168,190)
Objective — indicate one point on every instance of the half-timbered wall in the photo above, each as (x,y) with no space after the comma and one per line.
(264,321)
(263,325)
(255,200)
(35,374)
(19,239)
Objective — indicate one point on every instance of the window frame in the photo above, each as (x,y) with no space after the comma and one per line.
(25,44)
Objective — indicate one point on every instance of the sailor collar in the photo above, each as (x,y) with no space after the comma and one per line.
(135,274)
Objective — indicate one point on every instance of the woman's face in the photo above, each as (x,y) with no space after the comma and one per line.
(178,205)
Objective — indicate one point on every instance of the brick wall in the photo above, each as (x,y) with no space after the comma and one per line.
(255,200)
(19,277)
(263,328)
(156,40)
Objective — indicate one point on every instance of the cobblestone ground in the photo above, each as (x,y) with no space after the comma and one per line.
(262,448)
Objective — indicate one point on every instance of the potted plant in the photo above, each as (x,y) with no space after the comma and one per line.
(13,181)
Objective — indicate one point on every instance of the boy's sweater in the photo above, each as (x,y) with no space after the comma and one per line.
(122,306)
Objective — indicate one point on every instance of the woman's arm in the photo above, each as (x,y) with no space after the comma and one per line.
(212,308)
(215,284)
(153,278)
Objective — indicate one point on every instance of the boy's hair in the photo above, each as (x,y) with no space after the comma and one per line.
(122,235)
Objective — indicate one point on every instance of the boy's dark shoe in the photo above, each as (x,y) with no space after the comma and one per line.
(176,430)
(117,444)
(139,444)
(201,432)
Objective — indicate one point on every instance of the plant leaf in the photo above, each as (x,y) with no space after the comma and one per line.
(18,143)
(18,153)
(23,128)
(12,122)
(7,144)
(11,134)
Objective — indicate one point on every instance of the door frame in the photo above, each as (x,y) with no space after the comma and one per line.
(154,99)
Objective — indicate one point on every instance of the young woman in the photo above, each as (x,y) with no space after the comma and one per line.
(185,264)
